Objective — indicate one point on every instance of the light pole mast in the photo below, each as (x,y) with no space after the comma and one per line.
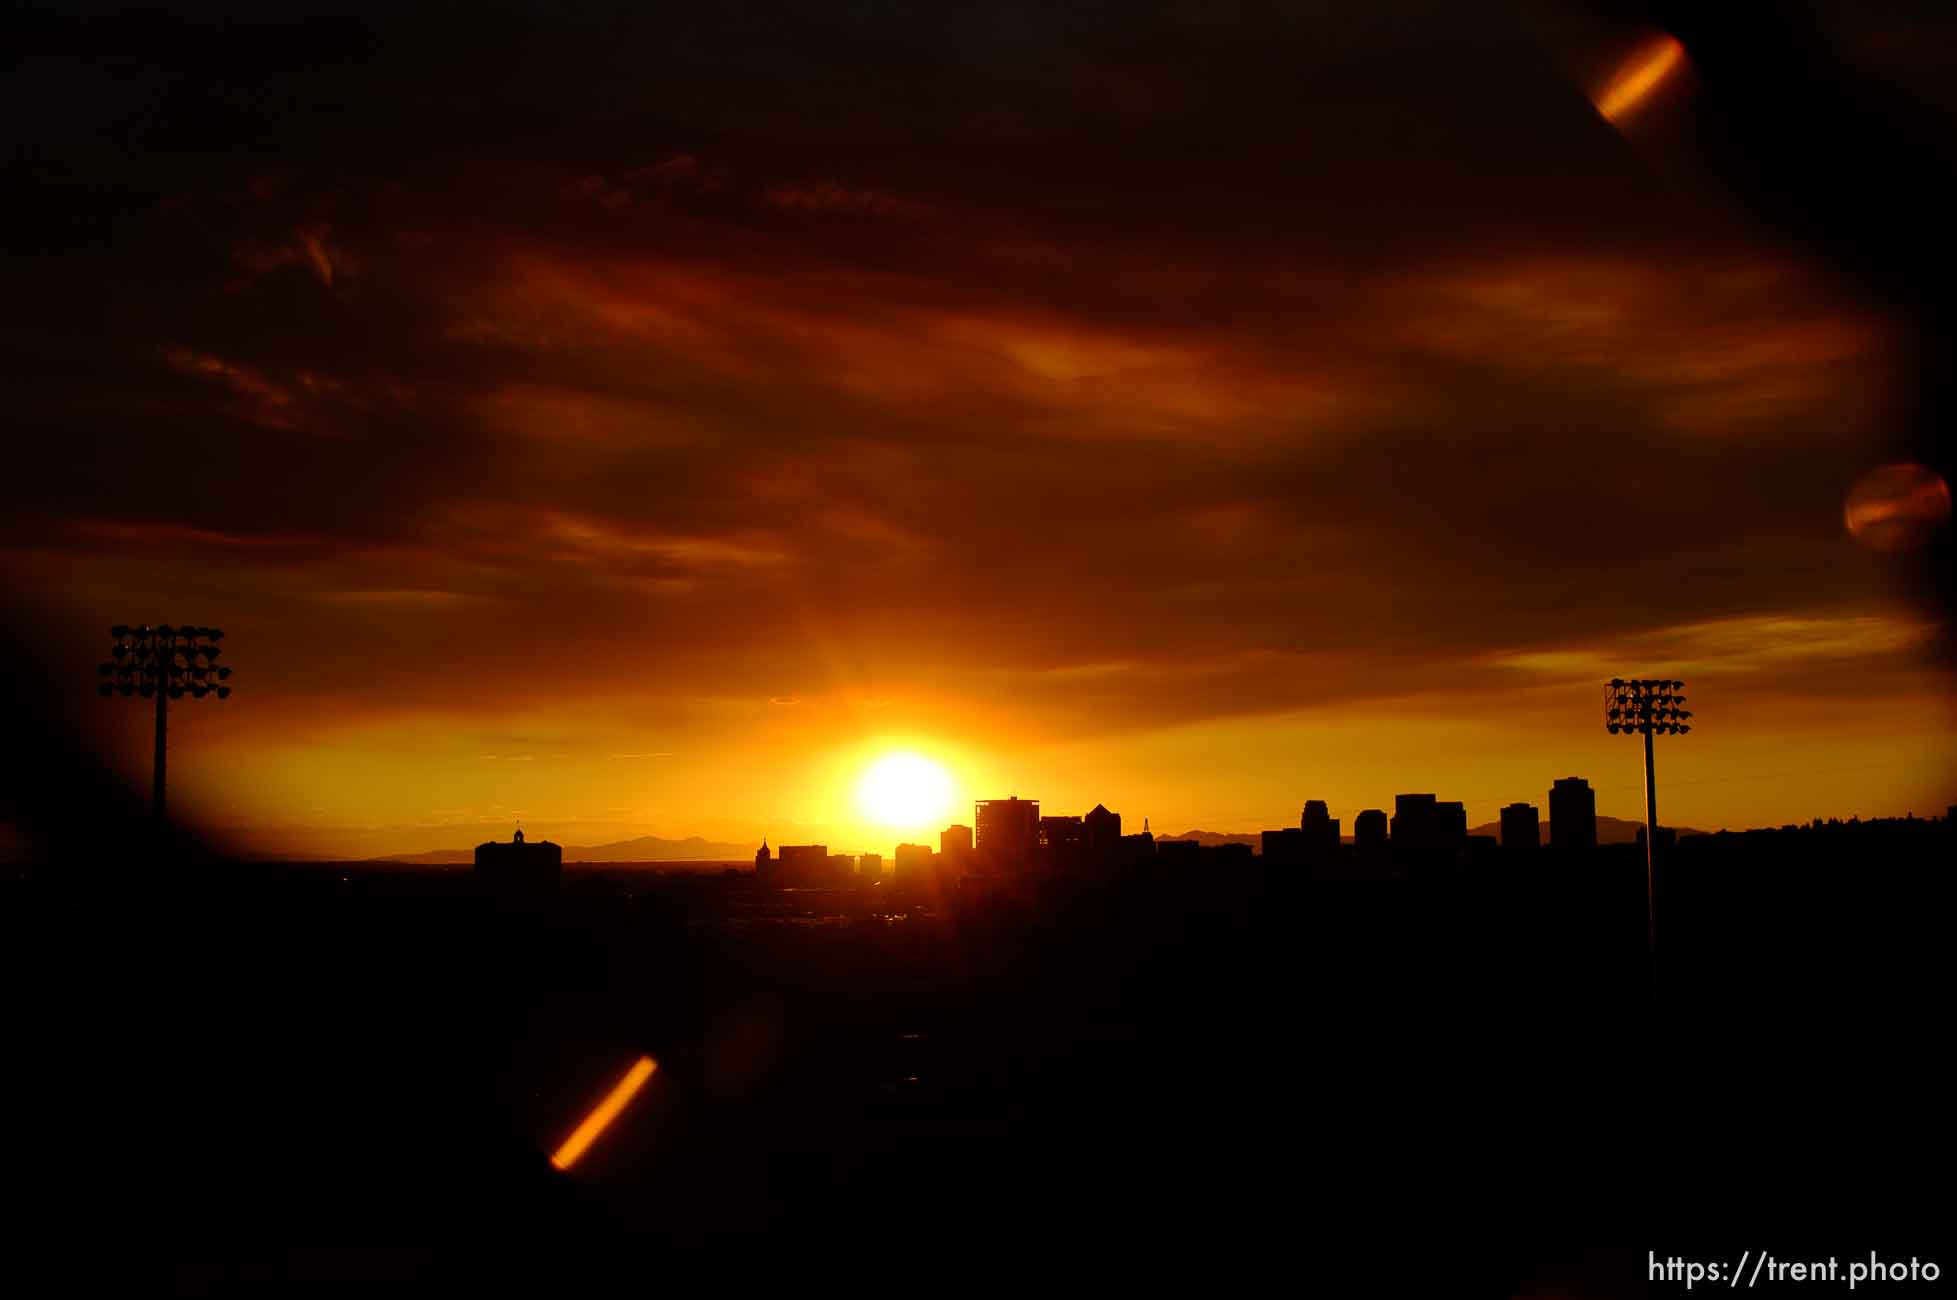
(168,663)
(1647,706)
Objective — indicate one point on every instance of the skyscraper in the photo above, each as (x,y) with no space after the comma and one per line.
(1008,830)
(913,864)
(801,866)
(1321,830)
(1451,824)
(1369,830)
(1101,830)
(1572,815)
(1413,821)
(1521,827)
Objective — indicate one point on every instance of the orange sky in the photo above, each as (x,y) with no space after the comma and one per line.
(1159,416)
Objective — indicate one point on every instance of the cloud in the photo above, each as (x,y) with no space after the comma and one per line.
(266,403)
(306,247)
(1213,380)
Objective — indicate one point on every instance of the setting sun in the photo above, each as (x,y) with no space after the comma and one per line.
(905,792)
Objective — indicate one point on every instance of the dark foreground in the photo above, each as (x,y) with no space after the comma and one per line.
(228,1074)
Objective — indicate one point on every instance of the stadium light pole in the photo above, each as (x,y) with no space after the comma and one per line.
(165,663)
(1647,706)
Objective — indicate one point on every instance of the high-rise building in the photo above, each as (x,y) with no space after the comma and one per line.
(869,868)
(1413,821)
(955,844)
(1058,832)
(1521,827)
(1101,831)
(1451,824)
(1008,830)
(1572,815)
(802,866)
(913,864)
(1321,830)
(1369,830)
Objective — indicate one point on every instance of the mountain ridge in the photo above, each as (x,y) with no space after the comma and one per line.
(643,848)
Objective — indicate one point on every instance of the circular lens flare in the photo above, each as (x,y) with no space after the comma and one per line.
(904,792)
(1897,507)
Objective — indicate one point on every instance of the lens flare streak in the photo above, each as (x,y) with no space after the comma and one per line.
(604,1113)
(1639,77)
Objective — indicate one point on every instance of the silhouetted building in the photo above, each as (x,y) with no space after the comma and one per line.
(1451,825)
(1101,832)
(1063,843)
(802,866)
(869,868)
(1521,827)
(1008,830)
(912,866)
(1667,839)
(1572,815)
(518,865)
(842,870)
(1369,830)
(1178,853)
(1321,831)
(1233,854)
(955,844)
(1056,832)
(1413,822)
(1137,851)
(1286,846)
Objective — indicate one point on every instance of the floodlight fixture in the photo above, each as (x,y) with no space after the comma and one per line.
(1647,706)
(164,662)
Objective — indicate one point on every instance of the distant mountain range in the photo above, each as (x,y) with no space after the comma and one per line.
(651,848)
(646,848)
(1610,830)
(1211,839)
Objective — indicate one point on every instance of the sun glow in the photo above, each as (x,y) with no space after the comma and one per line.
(905,791)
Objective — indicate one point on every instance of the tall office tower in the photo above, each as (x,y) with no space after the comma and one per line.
(1521,827)
(1321,830)
(1572,815)
(1413,822)
(1008,831)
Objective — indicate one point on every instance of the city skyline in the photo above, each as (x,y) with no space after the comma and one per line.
(1533,822)
(893,640)
(649,452)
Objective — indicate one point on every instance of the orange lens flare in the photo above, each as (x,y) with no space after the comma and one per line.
(604,1113)
(1641,74)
